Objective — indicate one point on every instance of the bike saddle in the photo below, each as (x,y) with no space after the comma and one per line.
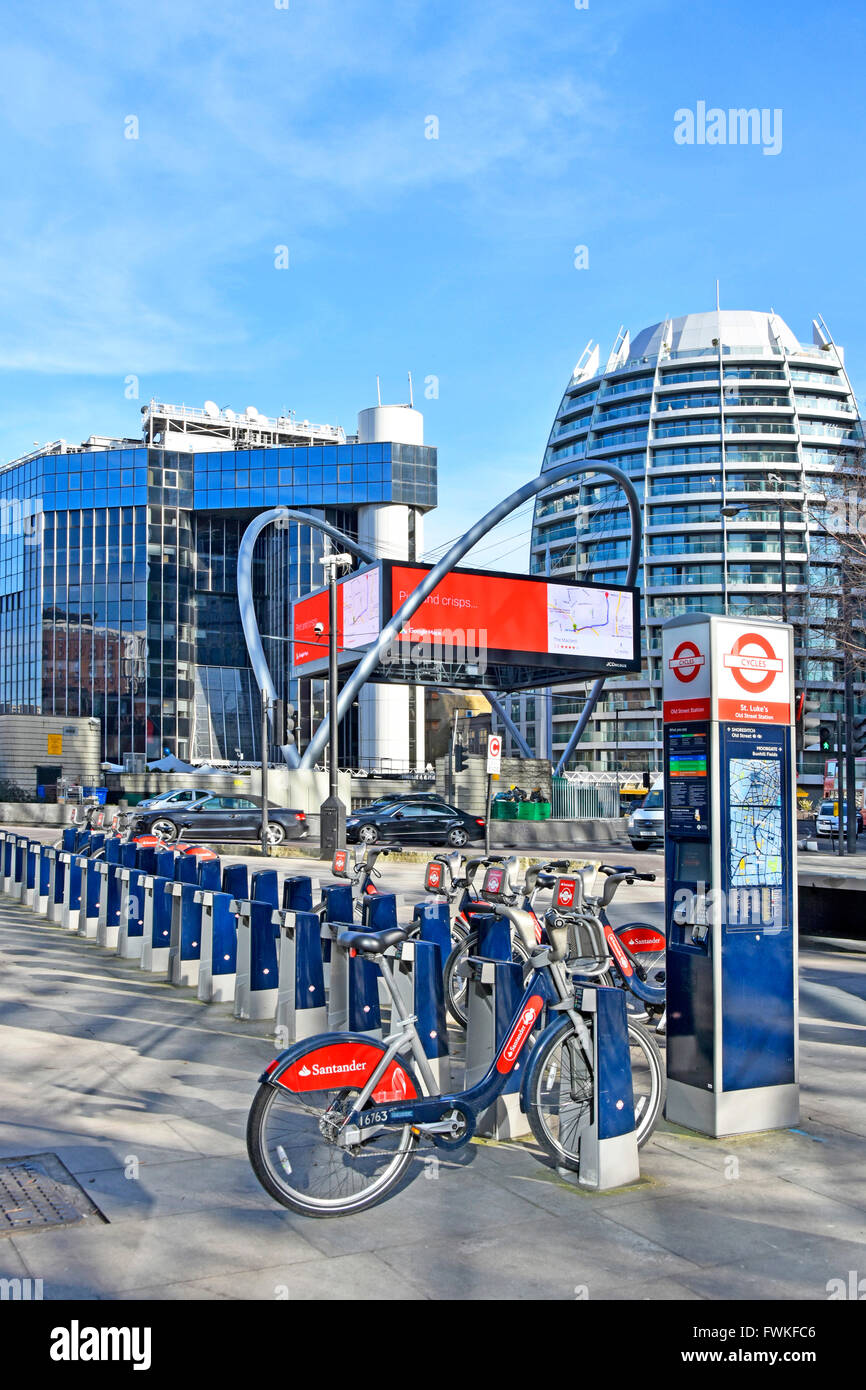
(373,943)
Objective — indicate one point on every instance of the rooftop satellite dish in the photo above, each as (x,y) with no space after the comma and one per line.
(211,410)
(229,414)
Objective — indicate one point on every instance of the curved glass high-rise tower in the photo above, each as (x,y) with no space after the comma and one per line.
(713,415)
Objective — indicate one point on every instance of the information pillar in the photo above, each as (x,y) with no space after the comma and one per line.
(730,874)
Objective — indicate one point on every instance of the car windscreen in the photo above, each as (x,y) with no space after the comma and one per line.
(655,801)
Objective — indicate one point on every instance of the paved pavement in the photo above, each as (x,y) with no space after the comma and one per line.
(143,1092)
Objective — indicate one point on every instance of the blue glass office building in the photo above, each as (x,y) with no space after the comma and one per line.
(118,584)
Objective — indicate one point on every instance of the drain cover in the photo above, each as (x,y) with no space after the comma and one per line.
(38,1191)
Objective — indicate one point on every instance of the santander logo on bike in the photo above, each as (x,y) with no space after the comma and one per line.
(519,1033)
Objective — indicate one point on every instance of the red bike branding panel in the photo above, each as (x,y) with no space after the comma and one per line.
(338,864)
(637,939)
(519,1033)
(347,1064)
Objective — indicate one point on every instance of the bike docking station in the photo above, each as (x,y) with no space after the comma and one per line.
(730,870)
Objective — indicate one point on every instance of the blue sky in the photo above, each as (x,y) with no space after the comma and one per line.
(305,127)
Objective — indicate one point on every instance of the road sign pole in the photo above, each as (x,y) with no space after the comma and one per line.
(840,788)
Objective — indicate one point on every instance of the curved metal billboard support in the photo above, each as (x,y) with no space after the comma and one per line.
(390,632)
(258,660)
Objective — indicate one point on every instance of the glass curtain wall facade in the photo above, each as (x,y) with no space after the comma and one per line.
(711,410)
(118,582)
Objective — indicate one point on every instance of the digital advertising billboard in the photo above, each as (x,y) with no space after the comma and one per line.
(521,629)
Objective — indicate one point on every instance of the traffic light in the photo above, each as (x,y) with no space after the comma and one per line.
(860,736)
(460,758)
(809,719)
(290,729)
(825,739)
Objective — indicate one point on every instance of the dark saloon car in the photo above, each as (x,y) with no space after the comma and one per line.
(221,818)
(414,822)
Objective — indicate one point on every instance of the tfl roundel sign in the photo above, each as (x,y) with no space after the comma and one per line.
(686,661)
(754,677)
(753,663)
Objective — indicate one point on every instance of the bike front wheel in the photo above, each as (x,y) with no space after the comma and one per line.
(560,1094)
(292,1148)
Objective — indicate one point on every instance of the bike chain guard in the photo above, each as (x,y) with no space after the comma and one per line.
(450,1143)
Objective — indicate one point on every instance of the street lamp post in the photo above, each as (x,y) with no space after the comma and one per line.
(332,812)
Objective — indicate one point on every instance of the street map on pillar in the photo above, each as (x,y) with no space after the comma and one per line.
(591,622)
(755,822)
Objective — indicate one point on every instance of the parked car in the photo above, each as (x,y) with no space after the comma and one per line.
(433,798)
(182,797)
(221,818)
(416,822)
(827,821)
(646,825)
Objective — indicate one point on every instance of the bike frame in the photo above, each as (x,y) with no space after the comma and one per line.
(430,1113)
(624,960)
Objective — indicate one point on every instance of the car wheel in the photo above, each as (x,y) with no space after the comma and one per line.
(165,829)
(368,834)
(635,844)
(276,833)
(457,837)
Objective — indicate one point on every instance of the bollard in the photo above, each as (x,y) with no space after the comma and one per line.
(257,969)
(72,884)
(184,952)
(494,989)
(301,1011)
(217,973)
(156,931)
(299,893)
(419,982)
(130,937)
(91,891)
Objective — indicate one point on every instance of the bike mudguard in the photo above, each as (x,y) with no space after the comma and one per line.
(334,1061)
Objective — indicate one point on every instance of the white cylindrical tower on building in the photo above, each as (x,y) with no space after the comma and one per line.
(391,717)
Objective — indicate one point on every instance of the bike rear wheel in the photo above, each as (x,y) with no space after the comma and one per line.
(290,1141)
(456,984)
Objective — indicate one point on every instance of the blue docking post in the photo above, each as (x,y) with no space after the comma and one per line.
(301,1010)
(130,938)
(434,926)
(219,946)
(236,881)
(418,978)
(265,887)
(298,892)
(257,967)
